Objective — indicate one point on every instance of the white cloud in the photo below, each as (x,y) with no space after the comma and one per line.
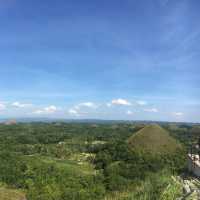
(20,105)
(38,112)
(141,103)
(78,110)
(2,106)
(178,114)
(76,113)
(47,110)
(50,109)
(85,104)
(88,104)
(123,102)
(73,111)
(155,110)
(129,112)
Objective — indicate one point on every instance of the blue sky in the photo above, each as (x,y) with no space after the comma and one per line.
(116,59)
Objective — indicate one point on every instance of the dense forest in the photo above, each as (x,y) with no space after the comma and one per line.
(79,161)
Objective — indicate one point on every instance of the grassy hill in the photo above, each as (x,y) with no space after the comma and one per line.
(153,139)
(195,131)
(11,194)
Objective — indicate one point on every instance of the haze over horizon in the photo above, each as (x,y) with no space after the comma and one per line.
(127,60)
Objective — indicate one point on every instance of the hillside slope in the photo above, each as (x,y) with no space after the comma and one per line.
(153,139)
(11,194)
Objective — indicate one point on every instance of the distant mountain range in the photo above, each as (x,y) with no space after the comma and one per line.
(97,121)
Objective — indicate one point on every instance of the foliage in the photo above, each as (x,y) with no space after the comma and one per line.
(86,161)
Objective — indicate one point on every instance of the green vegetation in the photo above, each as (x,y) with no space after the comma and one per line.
(114,161)
(11,194)
(156,186)
(195,131)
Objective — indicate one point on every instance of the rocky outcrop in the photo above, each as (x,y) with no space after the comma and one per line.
(191,188)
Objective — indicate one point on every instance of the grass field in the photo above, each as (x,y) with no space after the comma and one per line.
(76,165)
(11,194)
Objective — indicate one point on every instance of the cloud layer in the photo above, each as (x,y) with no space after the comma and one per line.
(47,110)
(20,105)
(114,109)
